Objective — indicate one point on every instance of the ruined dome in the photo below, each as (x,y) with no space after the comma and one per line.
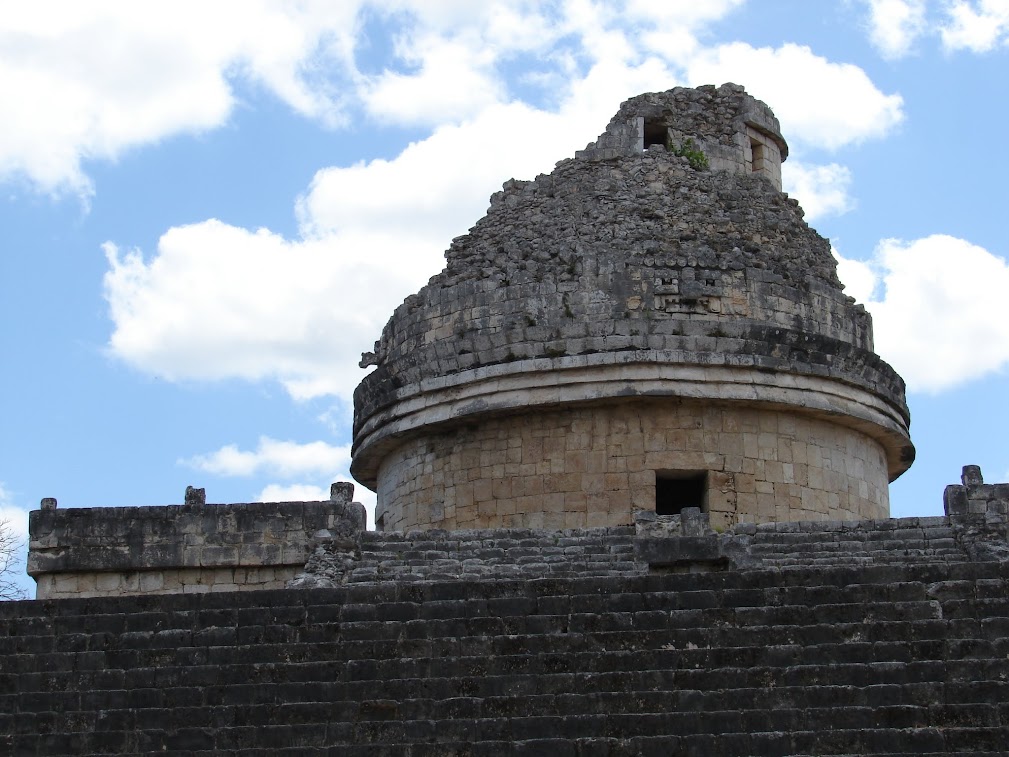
(652,323)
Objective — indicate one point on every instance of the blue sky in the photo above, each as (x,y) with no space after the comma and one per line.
(209,210)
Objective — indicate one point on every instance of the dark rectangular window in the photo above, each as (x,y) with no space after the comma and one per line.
(656,133)
(675,490)
(757,152)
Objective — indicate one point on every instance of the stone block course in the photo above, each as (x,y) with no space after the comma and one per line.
(607,484)
(833,660)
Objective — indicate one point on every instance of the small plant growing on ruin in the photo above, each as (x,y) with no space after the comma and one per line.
(688,149)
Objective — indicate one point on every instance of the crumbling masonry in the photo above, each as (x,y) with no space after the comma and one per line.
(633,331)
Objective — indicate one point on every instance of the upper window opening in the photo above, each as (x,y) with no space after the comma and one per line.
(656,133)
(757,150)
(675,490)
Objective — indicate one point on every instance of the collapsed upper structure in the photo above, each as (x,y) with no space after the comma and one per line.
(652,326)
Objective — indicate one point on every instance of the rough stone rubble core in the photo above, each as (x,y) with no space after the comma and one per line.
(638,318)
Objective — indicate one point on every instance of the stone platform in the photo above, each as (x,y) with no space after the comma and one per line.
(903,658)
(665,638)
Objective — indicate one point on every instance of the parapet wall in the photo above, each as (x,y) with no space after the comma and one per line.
(190,548)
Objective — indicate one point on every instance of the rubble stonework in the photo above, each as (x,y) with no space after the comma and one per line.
(629,274)
(733,131)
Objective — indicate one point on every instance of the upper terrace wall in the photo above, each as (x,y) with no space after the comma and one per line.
(195,547)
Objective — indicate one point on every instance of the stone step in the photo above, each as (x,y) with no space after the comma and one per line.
(861,661)
(860,558)
(102,612)
(785,731)
(794,708)
(522,678)
(80,624)
(762,586)
(420,556)
(519,615)
(703,626)
(329,643)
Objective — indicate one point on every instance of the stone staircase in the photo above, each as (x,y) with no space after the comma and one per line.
(683,542)
(924,540)
(665,638)
(906,657)
(472,555)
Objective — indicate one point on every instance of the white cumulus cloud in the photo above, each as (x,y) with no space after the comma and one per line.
(217,301)
(819,102)
(977,26)
(313,493)
(858,277)
(894,25)
(90,80)
(308,470)
(15,516)
(14,582)
(939,310)
(293,493)
(820,190)
(273,457)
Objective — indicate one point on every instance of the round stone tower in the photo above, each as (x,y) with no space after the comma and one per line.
(650,327)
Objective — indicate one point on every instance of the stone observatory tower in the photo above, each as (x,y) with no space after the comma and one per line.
(652,326)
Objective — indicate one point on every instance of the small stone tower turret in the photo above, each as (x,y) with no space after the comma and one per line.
(652,326)
(741,135)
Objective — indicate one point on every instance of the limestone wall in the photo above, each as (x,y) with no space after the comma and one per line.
(195,548)
(596,466)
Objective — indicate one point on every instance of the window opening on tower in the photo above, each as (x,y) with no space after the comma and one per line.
(655,133)
(757,151)
(675,490)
